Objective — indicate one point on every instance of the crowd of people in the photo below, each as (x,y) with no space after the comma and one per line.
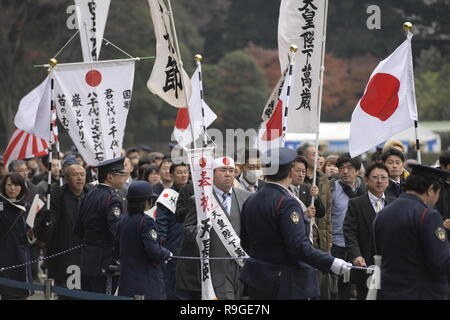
(127,239)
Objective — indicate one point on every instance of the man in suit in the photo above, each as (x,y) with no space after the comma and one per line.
(393,159)
(250,178)
(358,223)
(166,177)
(224,273)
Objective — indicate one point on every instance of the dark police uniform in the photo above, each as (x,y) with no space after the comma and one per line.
(411,239)
(97,226)
(140,251)
(273,233)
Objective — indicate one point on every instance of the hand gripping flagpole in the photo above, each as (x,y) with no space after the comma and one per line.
(198,59)
(407,27)
(172,22)
(319,106)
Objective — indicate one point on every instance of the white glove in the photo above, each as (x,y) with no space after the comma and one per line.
(169,257)
(339,266)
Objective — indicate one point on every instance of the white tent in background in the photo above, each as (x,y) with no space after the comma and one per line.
(335,136)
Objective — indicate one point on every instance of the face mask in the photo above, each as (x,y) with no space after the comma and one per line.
(253,175)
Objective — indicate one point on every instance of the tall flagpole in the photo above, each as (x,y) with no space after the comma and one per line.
(52,64)
(293,49)
(172,22)
(198,59)
(407,26)
(319,104)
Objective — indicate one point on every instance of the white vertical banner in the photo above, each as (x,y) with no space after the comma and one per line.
(165,79)
(201,163)
(302,23)
(91,18)
(92,101)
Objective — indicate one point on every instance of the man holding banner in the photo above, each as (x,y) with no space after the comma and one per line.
(224,239)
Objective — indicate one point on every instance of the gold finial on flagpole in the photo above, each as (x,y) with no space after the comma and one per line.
(293,48)
(407,26)
(198,57)
(53,62)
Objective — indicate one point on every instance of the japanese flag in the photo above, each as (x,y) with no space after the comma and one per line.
(270,133)
(33,115)
(182,132)
(23,145)
(388,105)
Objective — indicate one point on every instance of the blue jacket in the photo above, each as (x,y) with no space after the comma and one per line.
(97,223)
(415,261)
(282,258)
(140,256)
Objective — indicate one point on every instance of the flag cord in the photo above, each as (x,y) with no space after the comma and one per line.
(66,44)
(107,42)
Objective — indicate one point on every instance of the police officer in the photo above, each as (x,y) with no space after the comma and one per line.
(409,236)
(97,226)
(273,233)
(140,251)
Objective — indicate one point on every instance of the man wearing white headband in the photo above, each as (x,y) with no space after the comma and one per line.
(224,273)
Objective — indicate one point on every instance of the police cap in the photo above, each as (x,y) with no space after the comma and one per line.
(429,172)
(70,159)
(113,165)
(140,191)
(278,156)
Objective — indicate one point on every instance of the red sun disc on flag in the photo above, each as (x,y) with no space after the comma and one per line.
(93,78)
(381,97)
(182,121)
(274,125)
(226,161)
(202,162)
(165,195)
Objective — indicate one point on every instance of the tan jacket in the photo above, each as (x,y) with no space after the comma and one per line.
(322,231)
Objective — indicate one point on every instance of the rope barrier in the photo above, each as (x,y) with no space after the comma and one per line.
(210,258)
(39,259)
